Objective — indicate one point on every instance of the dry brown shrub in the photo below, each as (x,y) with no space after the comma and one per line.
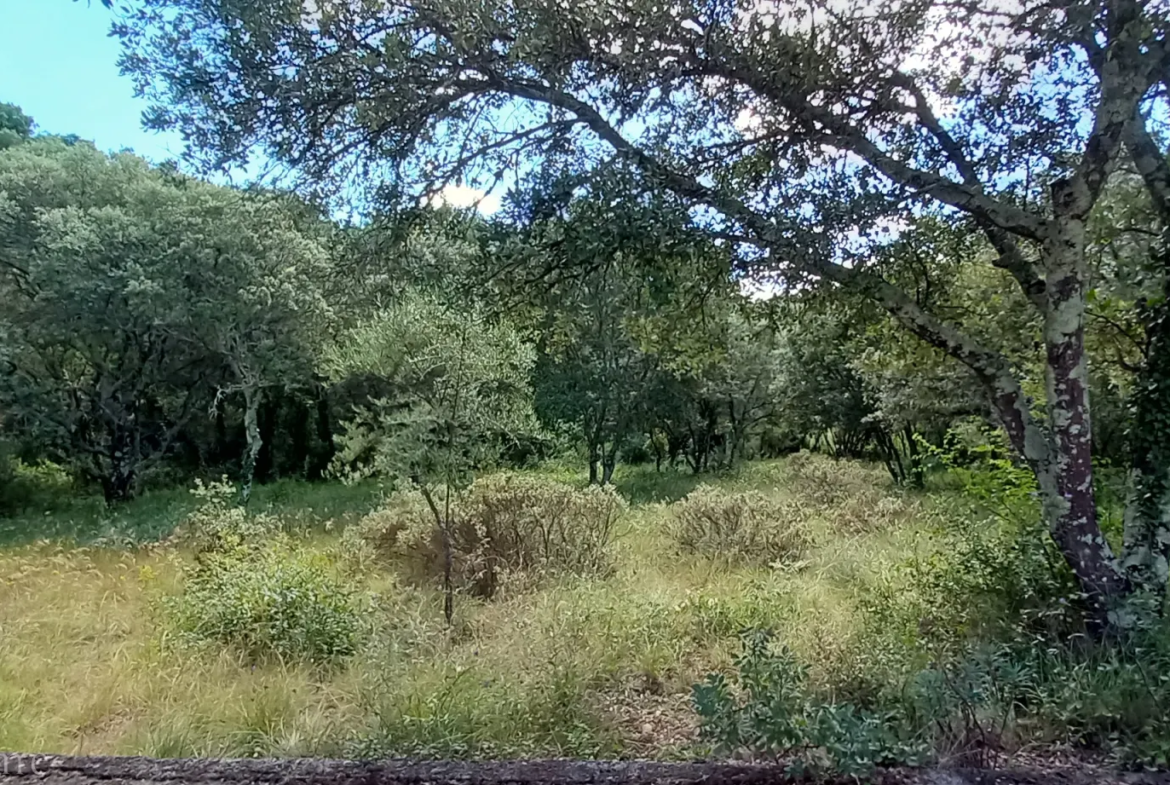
(741,526)
(506,528)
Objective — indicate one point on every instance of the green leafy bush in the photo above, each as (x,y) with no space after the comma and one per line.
(507,527)
(741,526)
(27,485)
(254,589)
(271,601)
(765,709)
(220,525)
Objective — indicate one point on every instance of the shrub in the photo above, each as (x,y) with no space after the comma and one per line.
(743,526)
(253,589)
(822,480)
(28,485)
(505,526)
(276,600)
(221,525)
(872,512)
(766,709)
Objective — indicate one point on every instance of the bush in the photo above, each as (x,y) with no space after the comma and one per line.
(823,480)
(253,589)
(745,526)
(272,601)
(766,709)
(221,525)
(28,485)
(506,526)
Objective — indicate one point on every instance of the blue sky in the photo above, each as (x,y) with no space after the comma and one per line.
(59,65)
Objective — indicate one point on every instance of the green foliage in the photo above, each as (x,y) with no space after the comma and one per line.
(458,390)
(133,303)
(253,589)
(25,487)
(983,570)
(765,709)
(15,126)
(744,526)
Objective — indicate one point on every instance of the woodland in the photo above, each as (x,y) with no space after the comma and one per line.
(518,378)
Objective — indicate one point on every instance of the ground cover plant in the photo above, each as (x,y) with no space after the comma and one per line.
(924,638)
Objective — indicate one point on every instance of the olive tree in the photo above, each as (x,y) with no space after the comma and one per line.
(456,390)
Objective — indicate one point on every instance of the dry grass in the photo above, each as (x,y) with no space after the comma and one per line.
(582,666)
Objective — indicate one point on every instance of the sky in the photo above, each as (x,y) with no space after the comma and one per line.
(58,64)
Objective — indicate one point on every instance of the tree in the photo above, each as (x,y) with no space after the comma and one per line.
(95,352)
(457,389)
(621,286)
(794,130)
(260,305)
(15,126)
(133,294)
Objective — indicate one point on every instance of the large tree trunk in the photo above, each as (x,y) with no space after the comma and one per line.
(1066,482)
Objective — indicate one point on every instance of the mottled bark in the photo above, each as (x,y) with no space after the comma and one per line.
(252,399)
(1066,488)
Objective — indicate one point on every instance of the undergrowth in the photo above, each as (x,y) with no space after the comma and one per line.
(899,626)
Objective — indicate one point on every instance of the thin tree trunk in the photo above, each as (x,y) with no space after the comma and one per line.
(608,463)
(267,418)
(1147,515)
(118,486)
(323,450)
(252,398)
(443,522)
(917,470)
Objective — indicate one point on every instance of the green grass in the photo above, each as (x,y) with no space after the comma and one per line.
(582,667)
(90,662)
(155,514)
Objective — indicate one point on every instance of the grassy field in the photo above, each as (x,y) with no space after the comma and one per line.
(584,667)
(886,584)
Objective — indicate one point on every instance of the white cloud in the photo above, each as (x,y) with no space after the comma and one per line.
(465,196)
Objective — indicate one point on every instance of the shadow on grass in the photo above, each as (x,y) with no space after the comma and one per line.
(86,520)
(644,485)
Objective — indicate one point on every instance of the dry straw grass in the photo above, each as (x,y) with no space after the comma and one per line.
(595,658)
